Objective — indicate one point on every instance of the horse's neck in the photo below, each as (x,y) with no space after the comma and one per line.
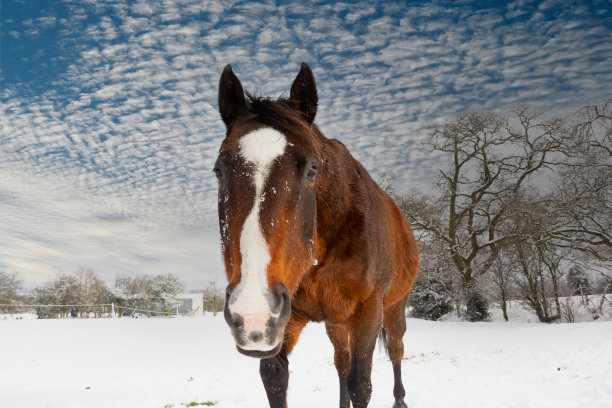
(336,192)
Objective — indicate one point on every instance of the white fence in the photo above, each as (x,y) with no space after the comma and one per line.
(110,310)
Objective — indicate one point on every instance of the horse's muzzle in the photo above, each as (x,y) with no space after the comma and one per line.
(258,324)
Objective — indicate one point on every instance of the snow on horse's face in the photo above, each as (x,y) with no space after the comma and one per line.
(266,170)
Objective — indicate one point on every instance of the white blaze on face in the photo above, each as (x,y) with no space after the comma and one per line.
(250,298)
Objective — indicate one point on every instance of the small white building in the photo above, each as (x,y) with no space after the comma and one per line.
(192,304)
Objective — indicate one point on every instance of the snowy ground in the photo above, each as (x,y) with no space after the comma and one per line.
(154,363)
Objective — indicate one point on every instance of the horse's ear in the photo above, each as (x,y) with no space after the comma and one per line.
(231,97)
(304,93)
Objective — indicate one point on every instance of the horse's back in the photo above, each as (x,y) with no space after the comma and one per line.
(398,259)
(397,262)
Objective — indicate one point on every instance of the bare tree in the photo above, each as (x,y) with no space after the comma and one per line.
(501,277)
(490,159)
(213,298)
(582,199)
(165,290)
(91,292)
(63,290)
(534,257)
(10,286)
(123,292)
(153,295)
(537,188)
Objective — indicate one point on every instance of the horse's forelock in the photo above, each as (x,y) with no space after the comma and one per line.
(281,115)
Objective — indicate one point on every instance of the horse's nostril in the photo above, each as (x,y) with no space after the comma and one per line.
(226,310)
(256,336)
(281,297)
(238,321)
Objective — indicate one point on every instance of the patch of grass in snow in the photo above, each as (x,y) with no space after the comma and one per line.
(194,404)
(422,358)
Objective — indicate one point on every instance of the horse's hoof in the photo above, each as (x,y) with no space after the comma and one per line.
(400,404)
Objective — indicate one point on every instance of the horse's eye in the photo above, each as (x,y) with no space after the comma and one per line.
(312,173)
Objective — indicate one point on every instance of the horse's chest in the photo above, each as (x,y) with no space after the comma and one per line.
(323,297)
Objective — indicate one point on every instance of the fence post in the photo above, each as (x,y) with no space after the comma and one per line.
(113,310)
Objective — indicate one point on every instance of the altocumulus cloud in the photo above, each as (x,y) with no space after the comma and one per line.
(108,113)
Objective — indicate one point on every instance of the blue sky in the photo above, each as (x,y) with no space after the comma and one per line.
(108,120)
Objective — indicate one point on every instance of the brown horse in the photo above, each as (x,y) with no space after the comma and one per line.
(307,235)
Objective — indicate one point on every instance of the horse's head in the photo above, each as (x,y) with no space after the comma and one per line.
(267,170)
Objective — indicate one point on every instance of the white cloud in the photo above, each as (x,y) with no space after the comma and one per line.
(116,159)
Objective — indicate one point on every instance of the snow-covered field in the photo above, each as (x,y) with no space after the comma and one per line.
(157,363)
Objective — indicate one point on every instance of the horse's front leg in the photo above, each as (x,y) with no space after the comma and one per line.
(364,328)
(338,334)
(274,371)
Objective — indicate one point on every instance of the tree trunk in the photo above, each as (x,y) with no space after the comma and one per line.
(556,295)
(504,305)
